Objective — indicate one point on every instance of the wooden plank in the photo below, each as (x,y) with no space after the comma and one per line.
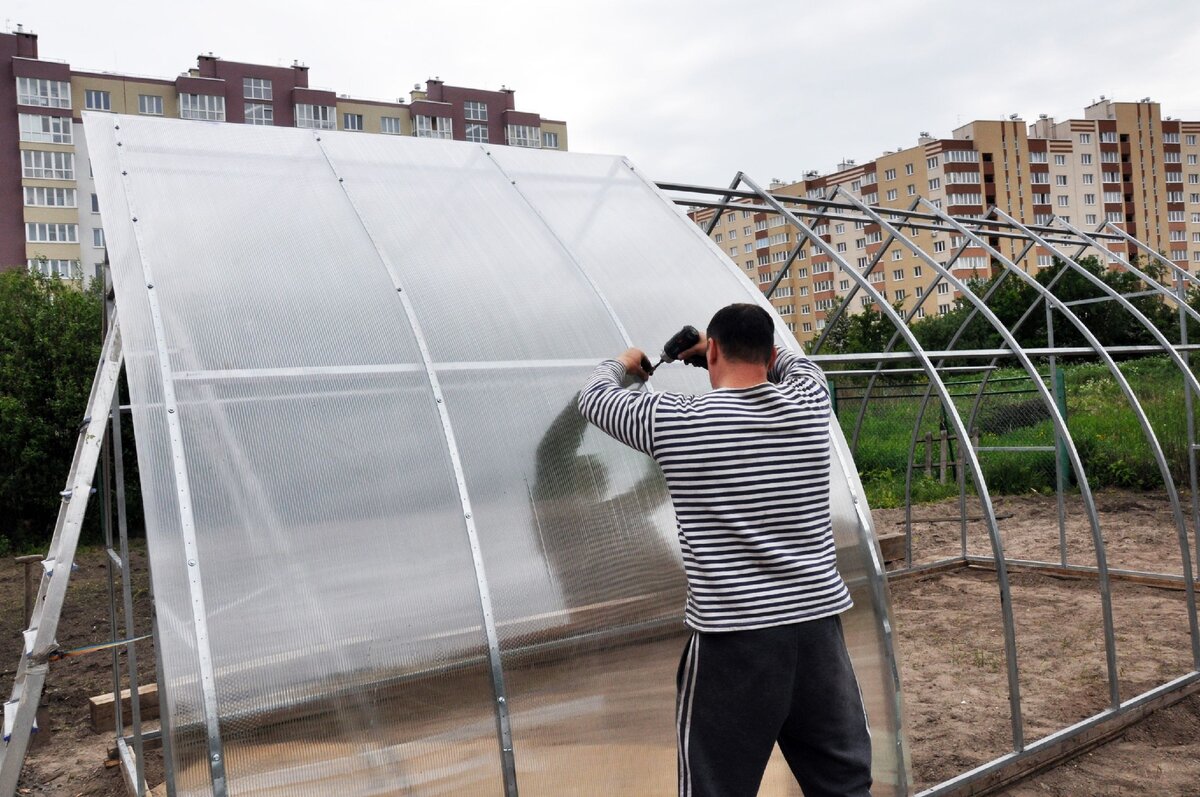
(101,707)
(891,546)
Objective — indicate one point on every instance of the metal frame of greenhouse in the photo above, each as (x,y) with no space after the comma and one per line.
(132,166)
(1068,244)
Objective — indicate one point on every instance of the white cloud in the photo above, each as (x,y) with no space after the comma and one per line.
(691,91)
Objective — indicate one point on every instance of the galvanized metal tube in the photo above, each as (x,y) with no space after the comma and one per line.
(1168,480)
(993,528)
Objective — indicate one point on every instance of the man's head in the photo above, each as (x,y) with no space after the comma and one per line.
(744,334)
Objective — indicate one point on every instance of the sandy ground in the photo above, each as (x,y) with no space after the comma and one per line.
(948,631)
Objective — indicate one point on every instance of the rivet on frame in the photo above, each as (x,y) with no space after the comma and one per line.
(135,218)
(118,143)
(171,410)
(191,562)
(149,284)
(124,173)
(341,179)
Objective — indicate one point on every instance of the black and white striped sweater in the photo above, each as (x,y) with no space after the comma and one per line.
(748,470)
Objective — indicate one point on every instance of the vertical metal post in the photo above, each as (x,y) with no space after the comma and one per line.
(135,701)
(1189,411)
(1060,464)
(106,512)
(929,455)
(943,446)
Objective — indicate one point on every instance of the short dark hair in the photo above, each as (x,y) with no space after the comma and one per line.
(745,332)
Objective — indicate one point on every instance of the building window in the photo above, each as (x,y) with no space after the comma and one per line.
(315,117)
(892,194)
(523,136)
(912,190)
(1060,179)
(352,121)
(390,125)
(1037,157)
(549,140)
(43,93)
(1089,179)
(939,246)
(475,111)
(1085,138)
(479,133)
(150,104)
(96,100)
(95,204)
(935,184)
(897,274)
(40,197)
(889,174)
(908,168)
(1088,199)
(97,238)
(1060,160)
(1170,138)
(205,107)
(1089,218)
(433,127)
(1063,201)
(64,269)
(45,129)
(1190,140)
(38,164)
(40,233)
(259,113)
(931,163)
(256,88)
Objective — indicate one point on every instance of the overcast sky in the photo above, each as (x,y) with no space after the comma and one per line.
(690,91)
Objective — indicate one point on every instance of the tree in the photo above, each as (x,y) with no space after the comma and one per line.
(49,346)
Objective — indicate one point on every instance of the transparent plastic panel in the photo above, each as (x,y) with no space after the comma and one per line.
(342,603)
(239,287)
(580,546)
(657,269)
(489,280)
(340,584)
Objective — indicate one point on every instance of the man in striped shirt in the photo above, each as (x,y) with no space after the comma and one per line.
(748,468)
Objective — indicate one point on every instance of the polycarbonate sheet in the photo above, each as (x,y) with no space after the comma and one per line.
(657,268)
(342,595)
(489,280)
(343,611)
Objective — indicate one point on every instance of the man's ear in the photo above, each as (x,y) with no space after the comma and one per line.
(711,351)
(771,361)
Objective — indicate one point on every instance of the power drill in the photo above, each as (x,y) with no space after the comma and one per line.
(681,341)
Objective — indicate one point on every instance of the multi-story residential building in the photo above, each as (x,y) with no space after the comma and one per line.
(1121,163)
(49,215)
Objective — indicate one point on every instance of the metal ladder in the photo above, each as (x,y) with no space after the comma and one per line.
(40,642)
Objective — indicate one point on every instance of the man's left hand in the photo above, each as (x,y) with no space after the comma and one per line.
(636,363)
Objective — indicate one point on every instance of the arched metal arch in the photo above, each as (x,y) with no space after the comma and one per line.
(1122,382)
(1010,646)
(1060,426)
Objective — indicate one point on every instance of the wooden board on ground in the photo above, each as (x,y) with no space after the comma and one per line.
(101,706)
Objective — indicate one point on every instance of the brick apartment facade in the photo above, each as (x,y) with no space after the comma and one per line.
(1122,162)
(49,217)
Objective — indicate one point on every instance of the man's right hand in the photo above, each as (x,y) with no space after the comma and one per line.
(699,350)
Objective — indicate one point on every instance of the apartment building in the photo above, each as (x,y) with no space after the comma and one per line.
(49,215)
(1122,162)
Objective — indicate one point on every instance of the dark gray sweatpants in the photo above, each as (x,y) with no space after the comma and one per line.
(740,692)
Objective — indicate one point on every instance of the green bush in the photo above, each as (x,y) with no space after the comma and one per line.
(1107,434)
(49,346)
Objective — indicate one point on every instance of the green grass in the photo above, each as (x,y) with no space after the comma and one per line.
(1111,444)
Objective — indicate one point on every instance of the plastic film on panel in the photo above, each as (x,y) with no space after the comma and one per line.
(343,617)
(576,531)
(659,272)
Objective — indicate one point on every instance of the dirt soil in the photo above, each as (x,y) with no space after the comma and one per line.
(949,636)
